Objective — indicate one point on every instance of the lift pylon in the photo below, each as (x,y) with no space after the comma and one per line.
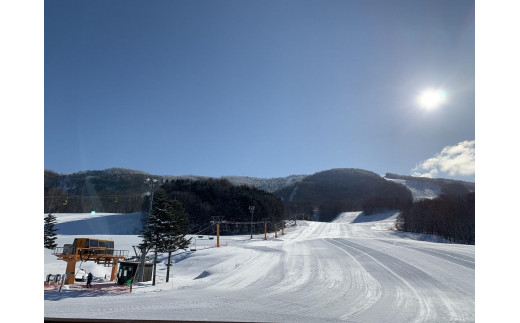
(218,234)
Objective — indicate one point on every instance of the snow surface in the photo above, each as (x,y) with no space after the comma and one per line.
(420,190)
(354,269)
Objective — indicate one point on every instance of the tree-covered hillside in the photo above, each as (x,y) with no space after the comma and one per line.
(321,196)
(448,187)
(114,190)
(203,200)
(266,184)
(450,217)
(120,190)
(330,192)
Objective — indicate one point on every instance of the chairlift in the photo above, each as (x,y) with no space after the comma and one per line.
(53,278)
(81,275)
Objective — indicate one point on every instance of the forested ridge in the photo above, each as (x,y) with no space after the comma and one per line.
(204,200)
(114,190)
(321,197)
(449,187)
(450,217)
(326,194)
(120,190)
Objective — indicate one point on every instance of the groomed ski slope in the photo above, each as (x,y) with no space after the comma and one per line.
(351,270)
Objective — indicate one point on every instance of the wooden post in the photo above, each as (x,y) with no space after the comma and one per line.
(71,269)
(265,230)
(283,227)
(218,235)
(275,231)
(114,270)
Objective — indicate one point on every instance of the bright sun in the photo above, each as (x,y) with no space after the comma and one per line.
(431,99)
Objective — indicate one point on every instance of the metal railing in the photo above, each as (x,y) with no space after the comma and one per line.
(92,252)
(57,251)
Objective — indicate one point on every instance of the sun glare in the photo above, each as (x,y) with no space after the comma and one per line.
(431,99)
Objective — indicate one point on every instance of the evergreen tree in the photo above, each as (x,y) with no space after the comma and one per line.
(152,233)
(175,230)
(49,232)
(166,228)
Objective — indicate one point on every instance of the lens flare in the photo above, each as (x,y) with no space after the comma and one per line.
(431,99)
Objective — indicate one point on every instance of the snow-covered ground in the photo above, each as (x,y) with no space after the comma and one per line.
(355,269)
(420,190)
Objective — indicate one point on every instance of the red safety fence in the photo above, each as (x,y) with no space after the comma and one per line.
(99,288)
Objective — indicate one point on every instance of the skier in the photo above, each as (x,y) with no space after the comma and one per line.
(89,280)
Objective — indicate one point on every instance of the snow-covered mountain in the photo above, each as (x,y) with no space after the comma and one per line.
(428,188)
(123,190)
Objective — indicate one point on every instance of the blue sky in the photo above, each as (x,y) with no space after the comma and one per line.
(259,88)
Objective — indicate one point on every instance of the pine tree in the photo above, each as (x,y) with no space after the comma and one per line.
(165,231)
(49,232)
(175,233)
(152,235)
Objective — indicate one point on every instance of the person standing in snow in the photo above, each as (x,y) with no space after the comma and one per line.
(89,280)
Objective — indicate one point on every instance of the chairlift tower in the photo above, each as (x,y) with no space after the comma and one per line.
(252,209)
(151,182)
(217,220)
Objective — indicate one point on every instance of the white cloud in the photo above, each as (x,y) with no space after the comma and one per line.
(453,160)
